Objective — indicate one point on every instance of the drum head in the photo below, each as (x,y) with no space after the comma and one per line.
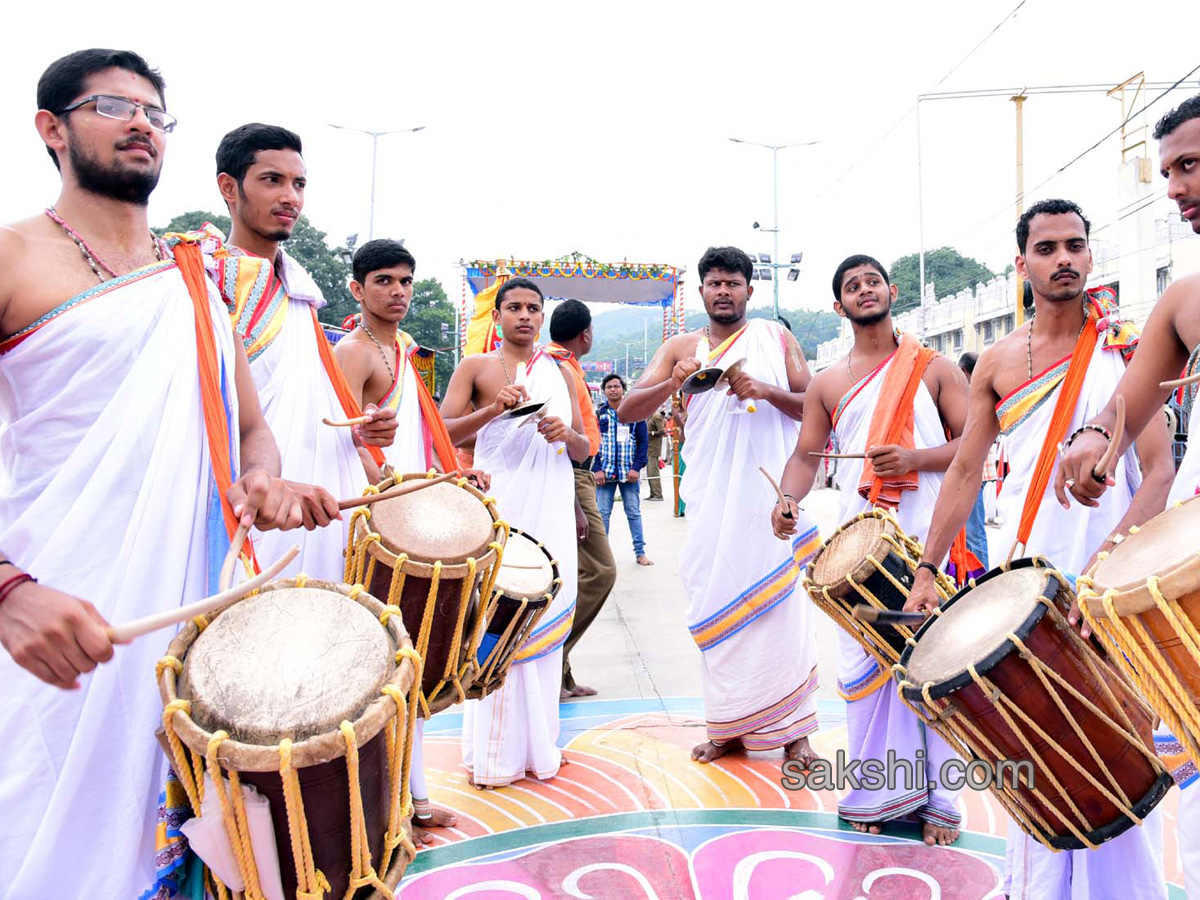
(527,570)
(443,522)
(292,662)
(845,553)
(1167,542)
(974,626)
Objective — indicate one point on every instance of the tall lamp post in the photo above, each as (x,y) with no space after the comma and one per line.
(775,148)
(375,136)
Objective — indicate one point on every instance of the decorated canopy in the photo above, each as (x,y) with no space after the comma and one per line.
(574,277)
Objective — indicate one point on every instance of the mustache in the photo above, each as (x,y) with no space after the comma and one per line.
(138,143)
(1064,272)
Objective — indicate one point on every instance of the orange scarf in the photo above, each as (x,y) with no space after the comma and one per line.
(1060,420)
(442,447)
(191,266)
(892,420)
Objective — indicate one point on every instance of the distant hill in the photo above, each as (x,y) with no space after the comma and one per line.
(624,326)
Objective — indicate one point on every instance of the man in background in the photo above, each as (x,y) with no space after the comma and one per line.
(657,427)
(623,452)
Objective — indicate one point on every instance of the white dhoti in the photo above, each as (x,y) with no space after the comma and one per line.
(106,493)
(746,609)
(1129,865)
(515,729)
(276,319)
(877,720)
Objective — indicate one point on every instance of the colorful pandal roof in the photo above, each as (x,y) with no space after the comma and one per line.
(580,278)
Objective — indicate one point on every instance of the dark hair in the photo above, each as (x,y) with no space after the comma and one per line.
(237,150)
(727,259)
(967,362)
(381,253)
(513,284)
(1047,208)
(569,320)
(63,80)
(612,377)
(853,262)
(1188,109)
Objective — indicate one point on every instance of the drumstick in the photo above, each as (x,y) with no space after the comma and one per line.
(357,420)
(1100,470)
(235,550)
(124,633)
(1181,382)
(837,455)
(778,491)
(865,613)
(406,487)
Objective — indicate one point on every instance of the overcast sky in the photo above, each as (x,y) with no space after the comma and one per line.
(604,127)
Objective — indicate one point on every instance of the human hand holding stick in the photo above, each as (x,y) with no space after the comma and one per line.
(405,487)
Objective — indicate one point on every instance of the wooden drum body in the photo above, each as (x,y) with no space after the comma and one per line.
(868,560)
(432,553)
(1001,675)
(1142,599)
(526,584)
(306,691)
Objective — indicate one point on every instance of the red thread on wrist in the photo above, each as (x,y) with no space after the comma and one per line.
(7,587)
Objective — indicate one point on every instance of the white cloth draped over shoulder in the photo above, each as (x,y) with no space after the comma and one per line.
(106,493)
(411,450)
(515,729)
(877,719)
(274,313)
(746,608)
(1129,865)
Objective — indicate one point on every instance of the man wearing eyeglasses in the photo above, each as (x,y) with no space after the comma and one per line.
(122,395)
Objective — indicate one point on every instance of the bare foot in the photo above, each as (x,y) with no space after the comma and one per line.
(564,694)
(433,817)
(644,560)
(939,834)
(866,827)
(582,690)
(482,787)
(802,752)
(711,750)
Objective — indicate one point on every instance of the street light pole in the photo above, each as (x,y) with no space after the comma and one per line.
(775,148)
(375,136)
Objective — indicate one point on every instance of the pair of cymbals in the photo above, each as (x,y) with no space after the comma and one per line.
(709,378)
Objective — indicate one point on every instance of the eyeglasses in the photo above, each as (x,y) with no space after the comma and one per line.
(120,108)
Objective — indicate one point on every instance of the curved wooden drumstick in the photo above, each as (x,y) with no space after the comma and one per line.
(837,455)
(865,613)
(139,627)
(1181,382)
(235,550)
(1100,470)
(405,487)
(357,420)
(778,491)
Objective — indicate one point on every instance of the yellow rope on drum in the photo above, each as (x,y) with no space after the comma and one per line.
(426,628)
(363,513)
(183,769)
(311,883)
(233,813)
(362,873)
(400,802)
(464,603)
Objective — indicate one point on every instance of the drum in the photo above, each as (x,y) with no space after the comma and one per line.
(868,560)
(1003,677)
(526,584)
(1142,599)
(433,553)
(305,691)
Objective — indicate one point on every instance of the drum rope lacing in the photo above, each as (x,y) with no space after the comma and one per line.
(959,732)
(1148,669)
(311,882)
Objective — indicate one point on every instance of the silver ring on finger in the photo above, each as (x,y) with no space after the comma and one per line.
(1071,483)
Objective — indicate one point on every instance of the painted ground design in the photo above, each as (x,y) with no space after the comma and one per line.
(631,816)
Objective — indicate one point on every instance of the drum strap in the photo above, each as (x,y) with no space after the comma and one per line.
(338,379)
(191,266)
(1060,420)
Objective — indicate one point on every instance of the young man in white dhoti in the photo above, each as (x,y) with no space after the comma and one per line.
(1062,365)
(131,446)
(376,358)
(273,305)
(515,730)
(1170,343)
(746,609)
(904,406)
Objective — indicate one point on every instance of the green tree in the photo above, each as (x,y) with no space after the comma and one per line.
(307,246)
(947,269)
(430,321)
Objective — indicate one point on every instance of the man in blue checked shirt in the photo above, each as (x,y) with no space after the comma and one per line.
(618,464)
